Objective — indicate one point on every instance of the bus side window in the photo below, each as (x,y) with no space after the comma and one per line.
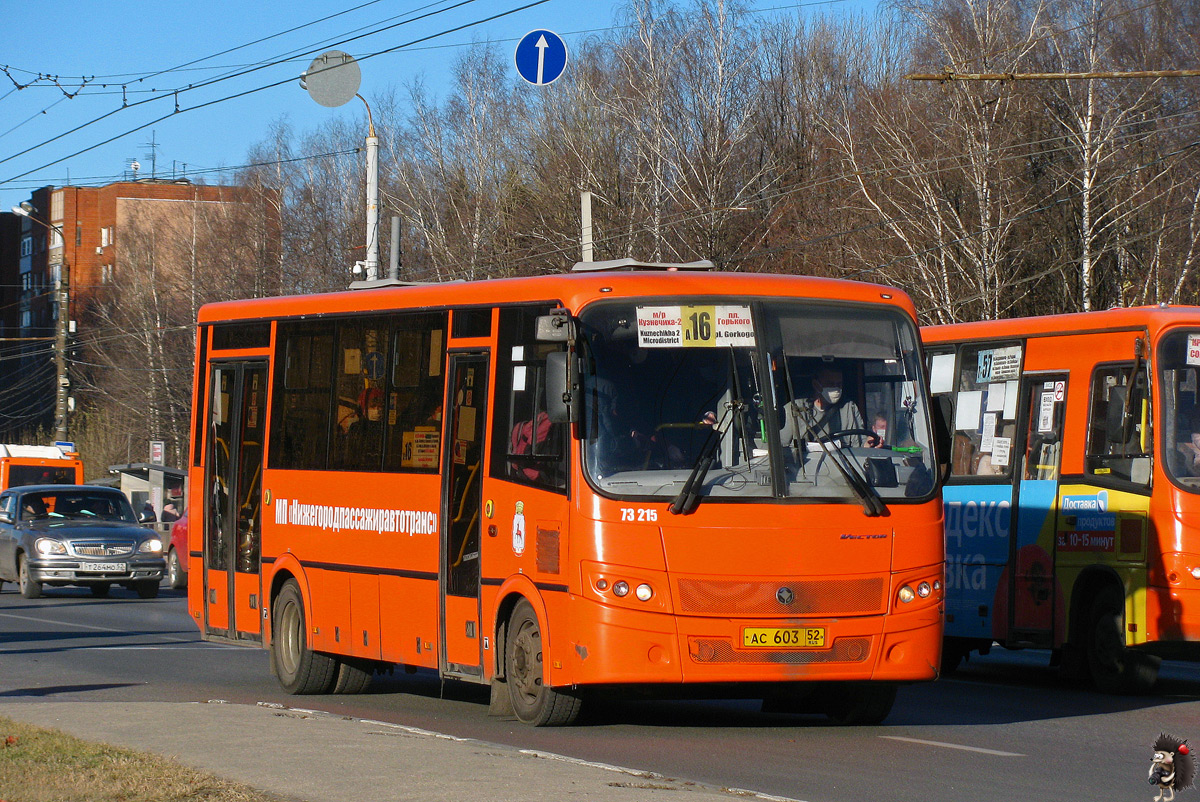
(300,416)
(526,446)
(1119,434)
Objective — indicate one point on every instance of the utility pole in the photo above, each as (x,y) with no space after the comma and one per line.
(62,382)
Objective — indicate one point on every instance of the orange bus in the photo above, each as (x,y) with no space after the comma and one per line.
(1072,506)
(39,465)
(562,484)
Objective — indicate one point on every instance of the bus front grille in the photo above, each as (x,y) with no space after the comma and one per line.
(804,597)
(720,650)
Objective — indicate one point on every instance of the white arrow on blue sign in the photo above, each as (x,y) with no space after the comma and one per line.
(541,57)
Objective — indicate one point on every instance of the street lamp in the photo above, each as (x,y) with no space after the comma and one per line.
(27,209)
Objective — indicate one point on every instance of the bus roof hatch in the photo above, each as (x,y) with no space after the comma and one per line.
(634,264)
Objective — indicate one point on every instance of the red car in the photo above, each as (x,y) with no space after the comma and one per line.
(177,554)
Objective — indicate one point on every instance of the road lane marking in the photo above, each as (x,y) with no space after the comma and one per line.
(50,622)
(945,745)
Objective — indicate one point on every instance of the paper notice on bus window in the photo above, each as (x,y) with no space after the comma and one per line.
(989,431)
(1193,352)
(518,382)
(435,352)
(1001,447)
(1010,400)
(420,449)
(995,397)
(941,373)
(1046,412)
(694,326)
(966,416)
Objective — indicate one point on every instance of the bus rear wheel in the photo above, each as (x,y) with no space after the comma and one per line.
(298,669)
(1115,668)
(534,702)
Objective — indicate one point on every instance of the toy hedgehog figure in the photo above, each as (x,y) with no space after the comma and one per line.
(1172,768)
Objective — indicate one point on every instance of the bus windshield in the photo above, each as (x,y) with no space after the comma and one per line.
(792,399)
(1179,363)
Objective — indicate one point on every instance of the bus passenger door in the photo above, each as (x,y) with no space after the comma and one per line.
(233,500)
(463,470)
(1034,598)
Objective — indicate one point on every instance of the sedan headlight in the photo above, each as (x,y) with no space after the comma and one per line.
(48,546)
(151,546)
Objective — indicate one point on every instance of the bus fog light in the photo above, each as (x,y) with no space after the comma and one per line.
(1195,572)
(937,584)
(923,590)
(906,594)
(601,584)
(644,592)
(621,588)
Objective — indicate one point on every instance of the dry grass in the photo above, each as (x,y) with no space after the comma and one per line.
(41,765)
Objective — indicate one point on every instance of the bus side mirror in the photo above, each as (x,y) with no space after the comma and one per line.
(556,327)
(564,400)
(6,518)
(943,435)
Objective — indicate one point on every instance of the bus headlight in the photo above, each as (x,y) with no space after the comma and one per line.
(644,592)
(151,546)
(906,594)
(621,588)
(48,545)
(1196,572)
(923,590)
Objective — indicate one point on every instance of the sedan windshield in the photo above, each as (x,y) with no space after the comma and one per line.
(76,505)
(767,399)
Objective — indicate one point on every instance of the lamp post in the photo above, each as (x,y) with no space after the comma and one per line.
(62,382)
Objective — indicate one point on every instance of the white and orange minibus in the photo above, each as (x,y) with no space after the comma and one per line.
(565,484)
(1073,507)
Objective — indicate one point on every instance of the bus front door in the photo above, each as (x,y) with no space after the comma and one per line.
(1034,595)
(233,500)
(463,470)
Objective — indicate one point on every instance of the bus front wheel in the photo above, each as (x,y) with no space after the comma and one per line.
(534,702)
(298,669)
(1115,668)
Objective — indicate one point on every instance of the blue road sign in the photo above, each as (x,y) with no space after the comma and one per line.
(541,57)
(375,365)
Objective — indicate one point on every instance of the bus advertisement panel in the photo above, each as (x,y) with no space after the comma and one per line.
(656,478)
(1070,525)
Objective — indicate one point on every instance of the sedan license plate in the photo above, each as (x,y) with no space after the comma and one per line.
(783,637)
(105,568)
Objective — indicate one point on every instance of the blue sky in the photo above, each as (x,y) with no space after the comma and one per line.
(102,78)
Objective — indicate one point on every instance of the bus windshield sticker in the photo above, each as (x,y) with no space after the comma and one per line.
(1193,349)
(996,364)
(694,326)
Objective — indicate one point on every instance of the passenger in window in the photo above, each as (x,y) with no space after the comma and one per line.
(528,438)
(826,413)
(1188,444)
(364,442)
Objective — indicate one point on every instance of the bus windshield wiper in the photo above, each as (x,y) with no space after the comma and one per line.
(689,496)
(872,504)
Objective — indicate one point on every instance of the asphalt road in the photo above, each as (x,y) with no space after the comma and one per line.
(1004,727)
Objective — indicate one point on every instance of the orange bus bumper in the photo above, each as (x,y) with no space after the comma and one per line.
(618,645)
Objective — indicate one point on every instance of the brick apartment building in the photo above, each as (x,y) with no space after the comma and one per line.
(84,233)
